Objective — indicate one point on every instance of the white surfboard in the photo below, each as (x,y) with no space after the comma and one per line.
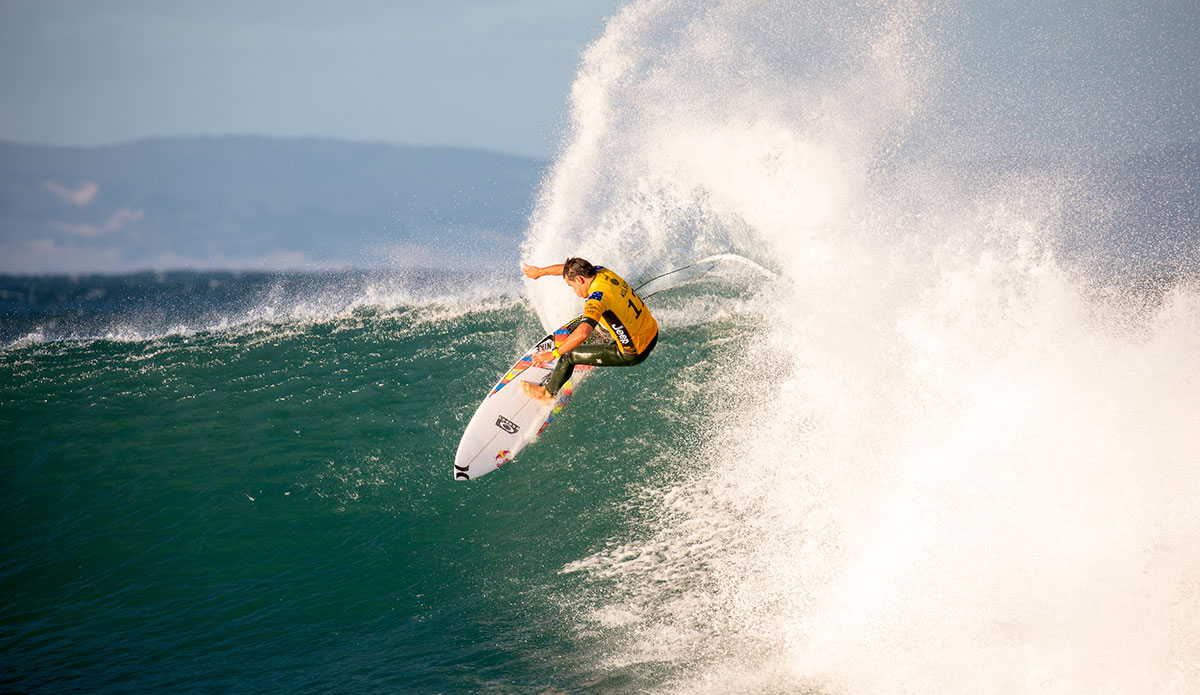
(508,419)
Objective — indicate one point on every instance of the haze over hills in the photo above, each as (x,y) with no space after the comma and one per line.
(258,203)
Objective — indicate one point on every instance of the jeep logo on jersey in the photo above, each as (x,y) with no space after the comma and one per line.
(507,425)
(618,329)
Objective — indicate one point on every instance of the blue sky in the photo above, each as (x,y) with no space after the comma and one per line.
(496,74)
(480,73)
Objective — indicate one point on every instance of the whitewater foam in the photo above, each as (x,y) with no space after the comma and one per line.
(150,308)
(947,459)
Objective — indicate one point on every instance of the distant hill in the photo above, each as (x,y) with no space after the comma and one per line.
(257,202)
(250,203)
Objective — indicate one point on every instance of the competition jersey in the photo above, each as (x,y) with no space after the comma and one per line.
(613,303)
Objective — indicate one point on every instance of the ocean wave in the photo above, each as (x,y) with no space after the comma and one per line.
(950,459)
(149,307)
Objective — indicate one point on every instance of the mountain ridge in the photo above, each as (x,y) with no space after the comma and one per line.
(257,202)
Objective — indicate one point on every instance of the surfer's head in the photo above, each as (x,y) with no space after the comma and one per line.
(579,274)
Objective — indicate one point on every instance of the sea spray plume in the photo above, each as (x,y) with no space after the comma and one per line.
(688,123)
(940,464)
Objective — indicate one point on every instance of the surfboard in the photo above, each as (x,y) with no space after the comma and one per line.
(507,420)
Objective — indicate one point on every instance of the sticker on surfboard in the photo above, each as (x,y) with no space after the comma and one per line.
(508,419)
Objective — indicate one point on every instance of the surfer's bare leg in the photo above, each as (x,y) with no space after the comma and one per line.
(538,392)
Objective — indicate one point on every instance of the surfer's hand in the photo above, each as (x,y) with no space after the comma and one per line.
(531,271)
(541,358)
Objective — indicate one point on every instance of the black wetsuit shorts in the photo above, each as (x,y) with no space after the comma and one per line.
(606,355)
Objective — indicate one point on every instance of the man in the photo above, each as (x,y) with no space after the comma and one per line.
(611,302)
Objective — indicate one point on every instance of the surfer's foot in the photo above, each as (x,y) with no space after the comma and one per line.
(538,392)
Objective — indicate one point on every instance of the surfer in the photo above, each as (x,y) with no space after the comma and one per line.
(610,302)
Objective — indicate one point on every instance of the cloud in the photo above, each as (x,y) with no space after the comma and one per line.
(119,220)
(79,197)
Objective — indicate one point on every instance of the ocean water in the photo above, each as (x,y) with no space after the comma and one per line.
(269,504)
(931,428)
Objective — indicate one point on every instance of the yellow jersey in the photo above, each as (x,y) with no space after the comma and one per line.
(613,303)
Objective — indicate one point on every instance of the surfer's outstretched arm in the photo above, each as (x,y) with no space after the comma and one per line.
(532,271)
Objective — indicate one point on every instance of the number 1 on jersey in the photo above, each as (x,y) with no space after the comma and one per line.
(637,312)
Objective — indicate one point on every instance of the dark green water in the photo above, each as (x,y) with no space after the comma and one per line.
(268,506)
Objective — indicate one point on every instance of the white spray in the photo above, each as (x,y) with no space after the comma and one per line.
(968,468)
